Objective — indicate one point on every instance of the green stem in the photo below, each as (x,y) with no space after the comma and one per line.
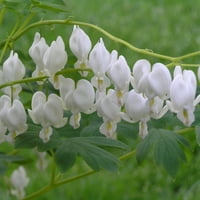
(70,22)
(40,192)
(121,41)
(172,64)
(196,53)
(25,80)
(40,78)
(112,37)
(184,130)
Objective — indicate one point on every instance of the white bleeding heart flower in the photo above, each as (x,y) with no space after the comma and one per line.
(140,108)
(55,57)
(140,68)
(48,59)
(48,112)
(80,44)
(77,99)
(19,181)
(13,70)
(109,110)
(37,51)
(99,62)
(151,82)
(182,95)
(12,116)
(120,75)
(137,109)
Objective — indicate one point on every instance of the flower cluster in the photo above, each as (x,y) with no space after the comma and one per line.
(116,92)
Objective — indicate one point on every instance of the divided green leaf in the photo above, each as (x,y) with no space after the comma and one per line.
(166,149)
(91,150)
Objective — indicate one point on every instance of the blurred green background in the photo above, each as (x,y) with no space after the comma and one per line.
(170,27)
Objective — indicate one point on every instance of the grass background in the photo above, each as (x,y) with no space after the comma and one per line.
(170,27)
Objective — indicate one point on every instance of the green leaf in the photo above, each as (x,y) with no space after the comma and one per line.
(183,141)
(127,131)
(65,157)
(144,147)
(90,149)
(92,129)
(166,149)
(105,142)
(98,158)
(197,132)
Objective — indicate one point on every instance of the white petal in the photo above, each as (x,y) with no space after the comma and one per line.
(99,58)
(101,83)
(84,95)
(143,129)
(45,134)
(80,43)
(181,93)
(67,85)
(37,51)
(53,111)
(186,116)
(177,71)
(160,80)
(140,68)
(55,56)
(19,179)
(13,68)
(37,104)
(120,73)
(108,109)
(75,120)
(136,106)
(16,117)
(108,128)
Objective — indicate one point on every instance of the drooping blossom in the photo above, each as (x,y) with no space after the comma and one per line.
(13,70)
(120,75)
(19,181)
(13,117)
(109,110)
(138,108)
(48,59)
(153,81)
(99,62)
(77,99)
(47,112)
(182,95)
(80,44)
